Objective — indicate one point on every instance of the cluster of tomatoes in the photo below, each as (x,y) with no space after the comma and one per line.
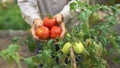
(50,29)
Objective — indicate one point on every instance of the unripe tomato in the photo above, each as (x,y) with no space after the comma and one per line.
(55,32)
(49,22)
(66,48)
(88,42)
(78,47)
(42,32)
(93,19)
(98,48)
(68,35)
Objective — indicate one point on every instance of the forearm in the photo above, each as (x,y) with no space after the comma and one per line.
(29,10)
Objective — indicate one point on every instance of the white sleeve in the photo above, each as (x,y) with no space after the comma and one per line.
(29,10)
(66,12)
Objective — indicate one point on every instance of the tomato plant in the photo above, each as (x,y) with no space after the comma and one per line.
(85,45)
(55,32)
(11,55)
(95,38)
(49,22)
(42,32)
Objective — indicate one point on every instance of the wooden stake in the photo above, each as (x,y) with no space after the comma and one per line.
(73,60)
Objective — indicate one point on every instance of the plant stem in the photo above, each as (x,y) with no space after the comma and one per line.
(73,61)
(11,65)
(88,28)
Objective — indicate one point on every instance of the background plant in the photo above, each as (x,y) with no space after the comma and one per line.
(10,18)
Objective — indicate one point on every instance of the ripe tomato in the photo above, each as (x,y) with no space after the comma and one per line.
(49,22)
(55,32)
(42,32)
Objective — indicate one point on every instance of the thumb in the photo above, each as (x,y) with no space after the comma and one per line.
(33,33)
(59,18)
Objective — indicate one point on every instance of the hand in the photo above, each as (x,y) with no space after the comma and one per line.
(62,25)
(37,23)
(59,18)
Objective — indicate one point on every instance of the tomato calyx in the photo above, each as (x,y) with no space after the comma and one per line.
(50,16)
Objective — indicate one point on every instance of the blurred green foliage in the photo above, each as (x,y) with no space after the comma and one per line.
(10,18)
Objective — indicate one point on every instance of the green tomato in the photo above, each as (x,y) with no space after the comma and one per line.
(88,42)
(66,48)
(78,47)
(68,35)
(93,19)
(98,48)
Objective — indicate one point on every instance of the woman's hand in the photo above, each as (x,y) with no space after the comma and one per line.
(37,23)
(59,19)
(62,25)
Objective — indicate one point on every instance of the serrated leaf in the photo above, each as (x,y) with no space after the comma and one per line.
(30,63)
(36,60)
(116,60)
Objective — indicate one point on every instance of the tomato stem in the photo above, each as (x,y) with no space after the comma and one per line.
(88,27)
(11,65)
(49,16)
(73,61)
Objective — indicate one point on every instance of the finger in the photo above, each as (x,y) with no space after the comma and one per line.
(62,25)
(58,18)
(33,33)
(62,34)
(39,24)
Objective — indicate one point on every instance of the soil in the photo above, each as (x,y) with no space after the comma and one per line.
(6,40)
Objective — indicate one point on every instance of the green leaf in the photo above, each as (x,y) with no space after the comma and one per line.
(116,60)
(15,39)
(72,6)
(50,42)
(30,63)
(47,54)
(11,54)
(37,59)
(31,43)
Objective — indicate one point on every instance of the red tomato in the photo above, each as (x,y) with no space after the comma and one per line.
(55,32)
(42,32)
(49,22)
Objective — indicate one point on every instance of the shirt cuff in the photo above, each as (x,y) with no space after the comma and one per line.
(66,16)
